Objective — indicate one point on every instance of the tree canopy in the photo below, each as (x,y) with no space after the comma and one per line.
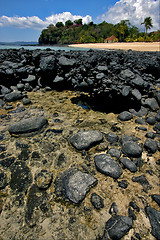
(76,32)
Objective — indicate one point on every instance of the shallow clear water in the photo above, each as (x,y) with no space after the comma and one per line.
(42,47)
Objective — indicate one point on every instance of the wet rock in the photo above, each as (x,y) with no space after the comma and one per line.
(21,177)
(107,165)
(97,201)
(29,79)
(154,218)
(128,164)
(140,121)
(137,81)
(27,125)
(2,103)
(111,137)
(36,201)
(26,101)
(123,184)
(113,209)
(151,135)
(136,94)
(114,152)
(125,116)
(117,226)
(74,185)
(13,96)
(151,103)
(58,79)
(43,179)
(85,139)
(5,90)
(150,145)
(127,74)
(131,149)
(47,64)
(126,90)
(156,198)
(143,181)
(151,120)
(3,180)
(66,62)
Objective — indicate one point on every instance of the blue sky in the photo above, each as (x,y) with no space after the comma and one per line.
(23,20)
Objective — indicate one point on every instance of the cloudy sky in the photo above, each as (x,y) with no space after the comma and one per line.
(23,20)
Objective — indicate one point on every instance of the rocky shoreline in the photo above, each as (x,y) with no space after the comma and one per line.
(79,151)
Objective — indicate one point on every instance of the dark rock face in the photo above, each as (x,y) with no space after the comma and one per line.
(128,164)
(85,139)
(107,165)
(154,218)
(3,180)
(13,96)
(74,185)
(117,226)
(131,149)
(125,116)
(27,125)
(97,201)
(20,177)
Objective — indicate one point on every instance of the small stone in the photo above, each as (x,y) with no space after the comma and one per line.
(150,145)
(26,101)
(128,164)
(151,103)
(113,209)
(131,214)
(151,135)
(154,218)
(151,120)
(111,137)
(43,179)
(29,79)
(136,94)
(125,116)
(13,96)
(140,121)
(123,184)
(143,181)
(102,146)
(117,226)
(97,201)
(114,153)
(107,165)
(131,149)
(85,139)
(134,206)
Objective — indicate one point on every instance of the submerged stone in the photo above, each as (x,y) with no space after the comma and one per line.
(84,139)
(27,125)
(107,165)
(74,185)
(117,226)
(154,218)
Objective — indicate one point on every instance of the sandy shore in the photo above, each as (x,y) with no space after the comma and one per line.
(135,46)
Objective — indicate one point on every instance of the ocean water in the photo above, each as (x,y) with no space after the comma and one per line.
(67,49)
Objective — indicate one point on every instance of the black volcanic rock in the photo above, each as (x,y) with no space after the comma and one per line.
(107,165)
(27,125)
(117,226)
(85,139)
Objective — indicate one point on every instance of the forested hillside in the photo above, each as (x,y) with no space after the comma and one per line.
(76,32)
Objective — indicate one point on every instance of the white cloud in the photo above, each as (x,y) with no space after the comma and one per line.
(37,23)
(135,11)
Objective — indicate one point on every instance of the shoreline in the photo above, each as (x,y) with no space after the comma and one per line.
(134,46)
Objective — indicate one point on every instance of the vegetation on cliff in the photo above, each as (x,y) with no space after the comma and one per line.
(77,32)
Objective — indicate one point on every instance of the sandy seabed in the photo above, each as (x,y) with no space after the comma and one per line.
(135,46)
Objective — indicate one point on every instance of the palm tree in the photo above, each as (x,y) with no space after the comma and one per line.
(147,23)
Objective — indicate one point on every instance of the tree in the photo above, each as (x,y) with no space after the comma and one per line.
(147,23)
(59,24)
(78,22)
(68,23)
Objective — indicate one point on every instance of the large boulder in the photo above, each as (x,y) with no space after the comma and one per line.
(85,139)
(107,165)
(27,125)
(47,63)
